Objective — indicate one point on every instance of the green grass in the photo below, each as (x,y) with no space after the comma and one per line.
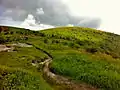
(82,68)
(83,54)
(86,38)
(22,57)
(20,79)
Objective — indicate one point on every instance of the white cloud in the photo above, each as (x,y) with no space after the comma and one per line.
(39,11)
(70,25)
(30,23)
(107,10)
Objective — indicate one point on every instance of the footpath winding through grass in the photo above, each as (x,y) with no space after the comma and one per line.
(12,78)
(83,55)
(60,80)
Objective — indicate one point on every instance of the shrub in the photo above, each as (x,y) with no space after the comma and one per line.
(76,46)
(45,40)
(92,50)
(2,39)
(55,41)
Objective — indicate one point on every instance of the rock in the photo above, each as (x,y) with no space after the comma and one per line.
(4,48)
(3,29)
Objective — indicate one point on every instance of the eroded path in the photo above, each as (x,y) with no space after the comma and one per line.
(48,75)
(60,80)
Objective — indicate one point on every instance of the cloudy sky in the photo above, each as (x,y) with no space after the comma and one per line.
(100,14)
(107,10)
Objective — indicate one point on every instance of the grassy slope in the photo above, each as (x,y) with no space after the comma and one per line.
(83,54)
(16,70)
(20,79)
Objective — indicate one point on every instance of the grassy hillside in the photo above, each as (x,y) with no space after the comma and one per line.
(85,55)
(20,79)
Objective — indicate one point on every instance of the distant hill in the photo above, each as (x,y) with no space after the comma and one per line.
(84,55)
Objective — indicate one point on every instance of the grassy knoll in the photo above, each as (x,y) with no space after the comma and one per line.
(85,55)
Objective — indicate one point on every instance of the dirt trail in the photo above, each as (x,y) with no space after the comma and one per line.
(5,48)
(57,79)
(60,80)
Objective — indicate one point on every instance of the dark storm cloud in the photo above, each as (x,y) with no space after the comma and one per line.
(55,12)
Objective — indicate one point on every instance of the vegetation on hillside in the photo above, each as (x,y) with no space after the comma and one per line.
(85,55)
(20,79)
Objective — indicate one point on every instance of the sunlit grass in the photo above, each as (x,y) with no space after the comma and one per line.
(85,55)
